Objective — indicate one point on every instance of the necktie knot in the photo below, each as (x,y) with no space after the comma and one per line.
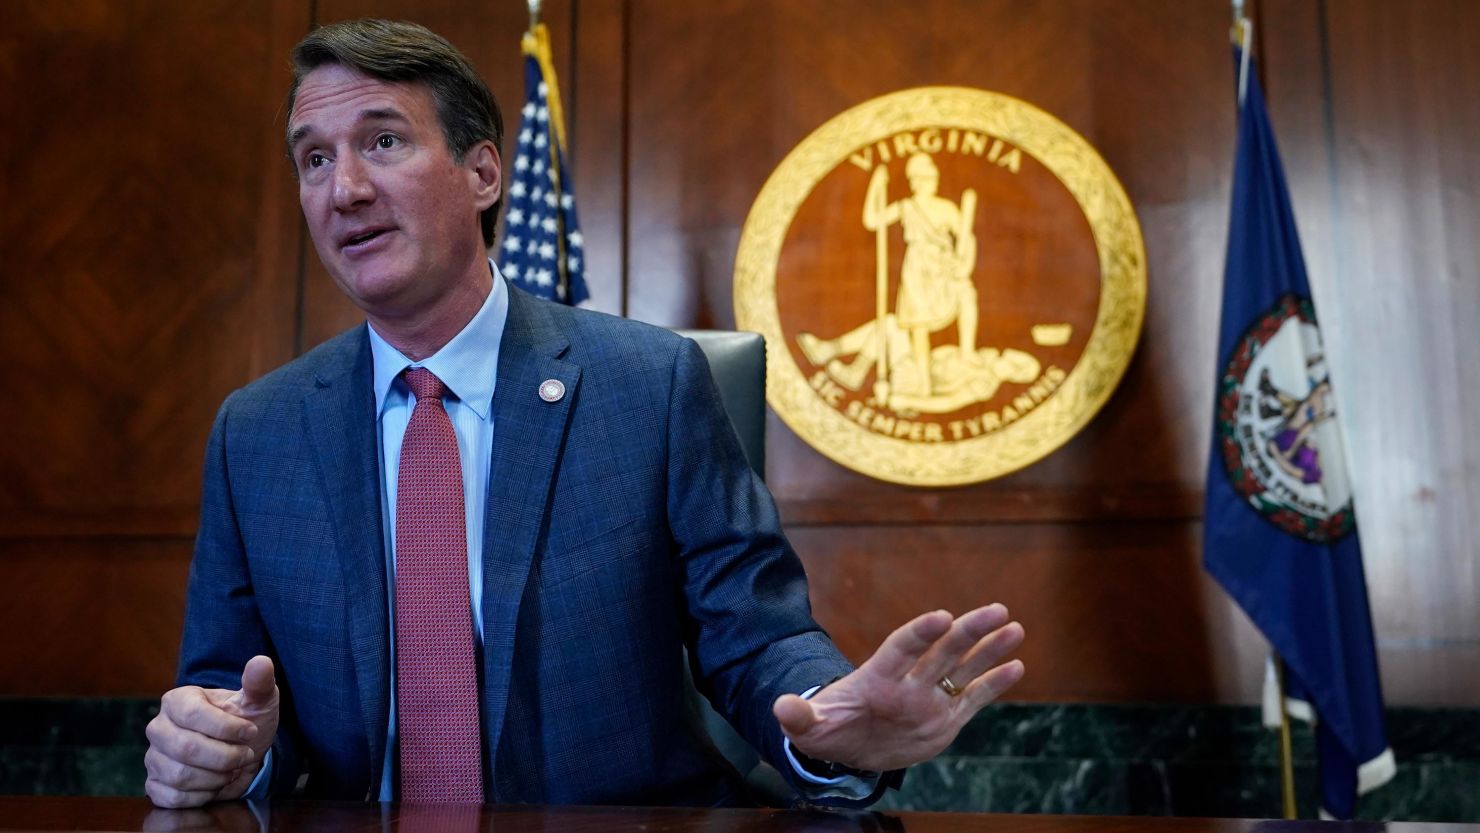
(424,384)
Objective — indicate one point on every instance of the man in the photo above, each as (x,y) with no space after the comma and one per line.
(453,555)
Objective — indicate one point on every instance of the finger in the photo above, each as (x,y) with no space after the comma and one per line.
(991,685)
(190,708)
(183,776)
(238,788)
(195,749)
(259,686)
(903,648)
(965,632)
(795,715)
(163,795)
(988,652)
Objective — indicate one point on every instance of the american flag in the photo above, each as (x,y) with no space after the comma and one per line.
(543,251)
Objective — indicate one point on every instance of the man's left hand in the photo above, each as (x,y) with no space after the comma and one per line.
(895,710)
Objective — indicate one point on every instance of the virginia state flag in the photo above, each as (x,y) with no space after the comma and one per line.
(543,251)
(1280,531)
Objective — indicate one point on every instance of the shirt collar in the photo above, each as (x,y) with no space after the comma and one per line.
(468,364)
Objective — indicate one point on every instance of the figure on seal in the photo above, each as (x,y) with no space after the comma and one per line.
(935,290)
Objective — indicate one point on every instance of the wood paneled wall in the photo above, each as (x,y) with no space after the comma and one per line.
(154,259)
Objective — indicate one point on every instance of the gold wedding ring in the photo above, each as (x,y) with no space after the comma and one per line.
(949,687)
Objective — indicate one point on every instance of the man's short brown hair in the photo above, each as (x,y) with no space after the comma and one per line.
(397,51)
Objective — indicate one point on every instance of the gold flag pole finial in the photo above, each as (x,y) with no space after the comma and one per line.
(534,13)
(1242,35)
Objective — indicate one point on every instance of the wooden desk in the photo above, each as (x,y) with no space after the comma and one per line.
(128,815)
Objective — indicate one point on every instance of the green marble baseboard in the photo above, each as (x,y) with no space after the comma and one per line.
(1183,761)
(1014,758)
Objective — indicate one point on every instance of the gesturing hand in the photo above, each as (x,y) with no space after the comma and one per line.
(894,711)
(206,744)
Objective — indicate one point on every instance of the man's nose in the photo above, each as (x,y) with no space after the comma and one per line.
(352,185)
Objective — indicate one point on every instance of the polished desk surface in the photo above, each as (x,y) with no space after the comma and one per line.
(135,814)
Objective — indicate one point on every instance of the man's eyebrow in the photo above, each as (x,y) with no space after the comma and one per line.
(298,133)
(383,114)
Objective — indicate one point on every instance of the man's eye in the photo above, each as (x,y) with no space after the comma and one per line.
(316,160)
(386,141)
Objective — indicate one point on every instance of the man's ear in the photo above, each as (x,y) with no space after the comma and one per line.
(483,164)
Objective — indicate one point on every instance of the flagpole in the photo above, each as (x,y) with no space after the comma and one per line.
(1287,755)
(1243,38)
(1242,35)
(536,44)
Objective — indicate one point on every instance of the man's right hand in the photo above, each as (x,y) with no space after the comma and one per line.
(207,744)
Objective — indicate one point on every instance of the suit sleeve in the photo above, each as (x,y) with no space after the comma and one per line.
(223,628)
(750,627)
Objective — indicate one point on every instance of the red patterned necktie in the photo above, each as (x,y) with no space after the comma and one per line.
(436,684)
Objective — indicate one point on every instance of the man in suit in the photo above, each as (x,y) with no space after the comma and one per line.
(453,555)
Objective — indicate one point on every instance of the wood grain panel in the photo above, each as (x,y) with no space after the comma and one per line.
(1114,612)
(596,95)
(146,271)
(150,267)
(94,617)
(1406,306)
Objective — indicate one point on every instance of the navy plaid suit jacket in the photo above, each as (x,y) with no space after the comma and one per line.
(623,523)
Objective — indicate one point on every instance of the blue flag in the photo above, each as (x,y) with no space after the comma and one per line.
(1280,533)
(542,250)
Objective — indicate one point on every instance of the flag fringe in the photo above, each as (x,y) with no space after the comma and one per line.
(1370,775)
(1376,772)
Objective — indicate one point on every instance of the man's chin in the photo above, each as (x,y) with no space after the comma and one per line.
(376,293)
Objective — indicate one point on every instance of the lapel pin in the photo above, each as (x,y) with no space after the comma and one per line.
(552,390)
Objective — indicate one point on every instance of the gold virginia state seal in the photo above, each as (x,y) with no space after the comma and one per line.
(951,283)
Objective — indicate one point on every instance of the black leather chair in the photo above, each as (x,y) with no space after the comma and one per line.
(737,361)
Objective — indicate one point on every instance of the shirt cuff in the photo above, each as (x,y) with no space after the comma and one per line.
(259,786)
(850,787)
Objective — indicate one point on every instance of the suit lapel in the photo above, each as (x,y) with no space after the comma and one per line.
(529,434)
(341,421)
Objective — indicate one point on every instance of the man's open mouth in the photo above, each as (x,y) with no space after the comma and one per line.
(364,237)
